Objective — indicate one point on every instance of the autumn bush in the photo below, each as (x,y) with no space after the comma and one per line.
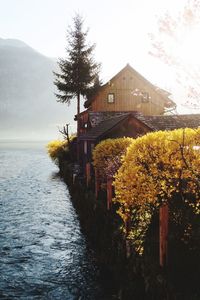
(56,149)
(107,156)
(157,167)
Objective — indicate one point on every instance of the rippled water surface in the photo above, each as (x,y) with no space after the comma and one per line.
(43,254)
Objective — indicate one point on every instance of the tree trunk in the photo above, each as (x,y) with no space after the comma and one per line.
(78,112)
(78,126)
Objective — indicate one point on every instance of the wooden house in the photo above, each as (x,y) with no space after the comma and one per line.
(127,105)
(127,91)
(130,91)
(129,124)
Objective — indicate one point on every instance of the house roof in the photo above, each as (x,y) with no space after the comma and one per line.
(154,123)
(170,122)
(163,93)
(102,128)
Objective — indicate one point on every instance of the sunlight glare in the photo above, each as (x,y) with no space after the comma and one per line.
(189,49)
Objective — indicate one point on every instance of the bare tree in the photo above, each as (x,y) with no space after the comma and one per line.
(65,132)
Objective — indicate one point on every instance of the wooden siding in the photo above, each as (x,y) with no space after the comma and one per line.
(83,122)
(124,88)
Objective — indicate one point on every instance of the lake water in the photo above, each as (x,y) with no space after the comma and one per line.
(43,254)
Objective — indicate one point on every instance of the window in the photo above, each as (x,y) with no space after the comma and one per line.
(111,98)
(145,97)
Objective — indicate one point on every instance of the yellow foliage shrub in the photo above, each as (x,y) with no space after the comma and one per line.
(155,167)
(107,156)
(56,148)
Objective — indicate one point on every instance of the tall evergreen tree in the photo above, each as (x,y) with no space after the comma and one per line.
(78,71)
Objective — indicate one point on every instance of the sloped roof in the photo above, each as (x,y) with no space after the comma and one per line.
(170,122)
(103,128)
(163,93)
(154,123)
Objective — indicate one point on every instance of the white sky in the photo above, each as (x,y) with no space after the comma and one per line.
(119,28)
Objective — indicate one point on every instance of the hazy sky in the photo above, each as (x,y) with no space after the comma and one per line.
(120,30)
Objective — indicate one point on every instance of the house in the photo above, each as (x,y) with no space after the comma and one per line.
(127,105)
(127,91)
(130,91)
(129,124)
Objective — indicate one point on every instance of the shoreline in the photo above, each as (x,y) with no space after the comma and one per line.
(131,276)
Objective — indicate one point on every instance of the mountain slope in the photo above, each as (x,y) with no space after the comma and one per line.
(28,107)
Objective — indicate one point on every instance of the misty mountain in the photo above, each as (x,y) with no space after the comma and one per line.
(28,106)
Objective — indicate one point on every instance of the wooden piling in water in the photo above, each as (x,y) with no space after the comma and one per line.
(164,228)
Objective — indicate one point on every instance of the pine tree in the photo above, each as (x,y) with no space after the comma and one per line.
(97,83)
(78,71)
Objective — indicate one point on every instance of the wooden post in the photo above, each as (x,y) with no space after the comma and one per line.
(164,224)
(97,184)
(74,177)
(88,173)
(128,228)
(109,192)
(78,150)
